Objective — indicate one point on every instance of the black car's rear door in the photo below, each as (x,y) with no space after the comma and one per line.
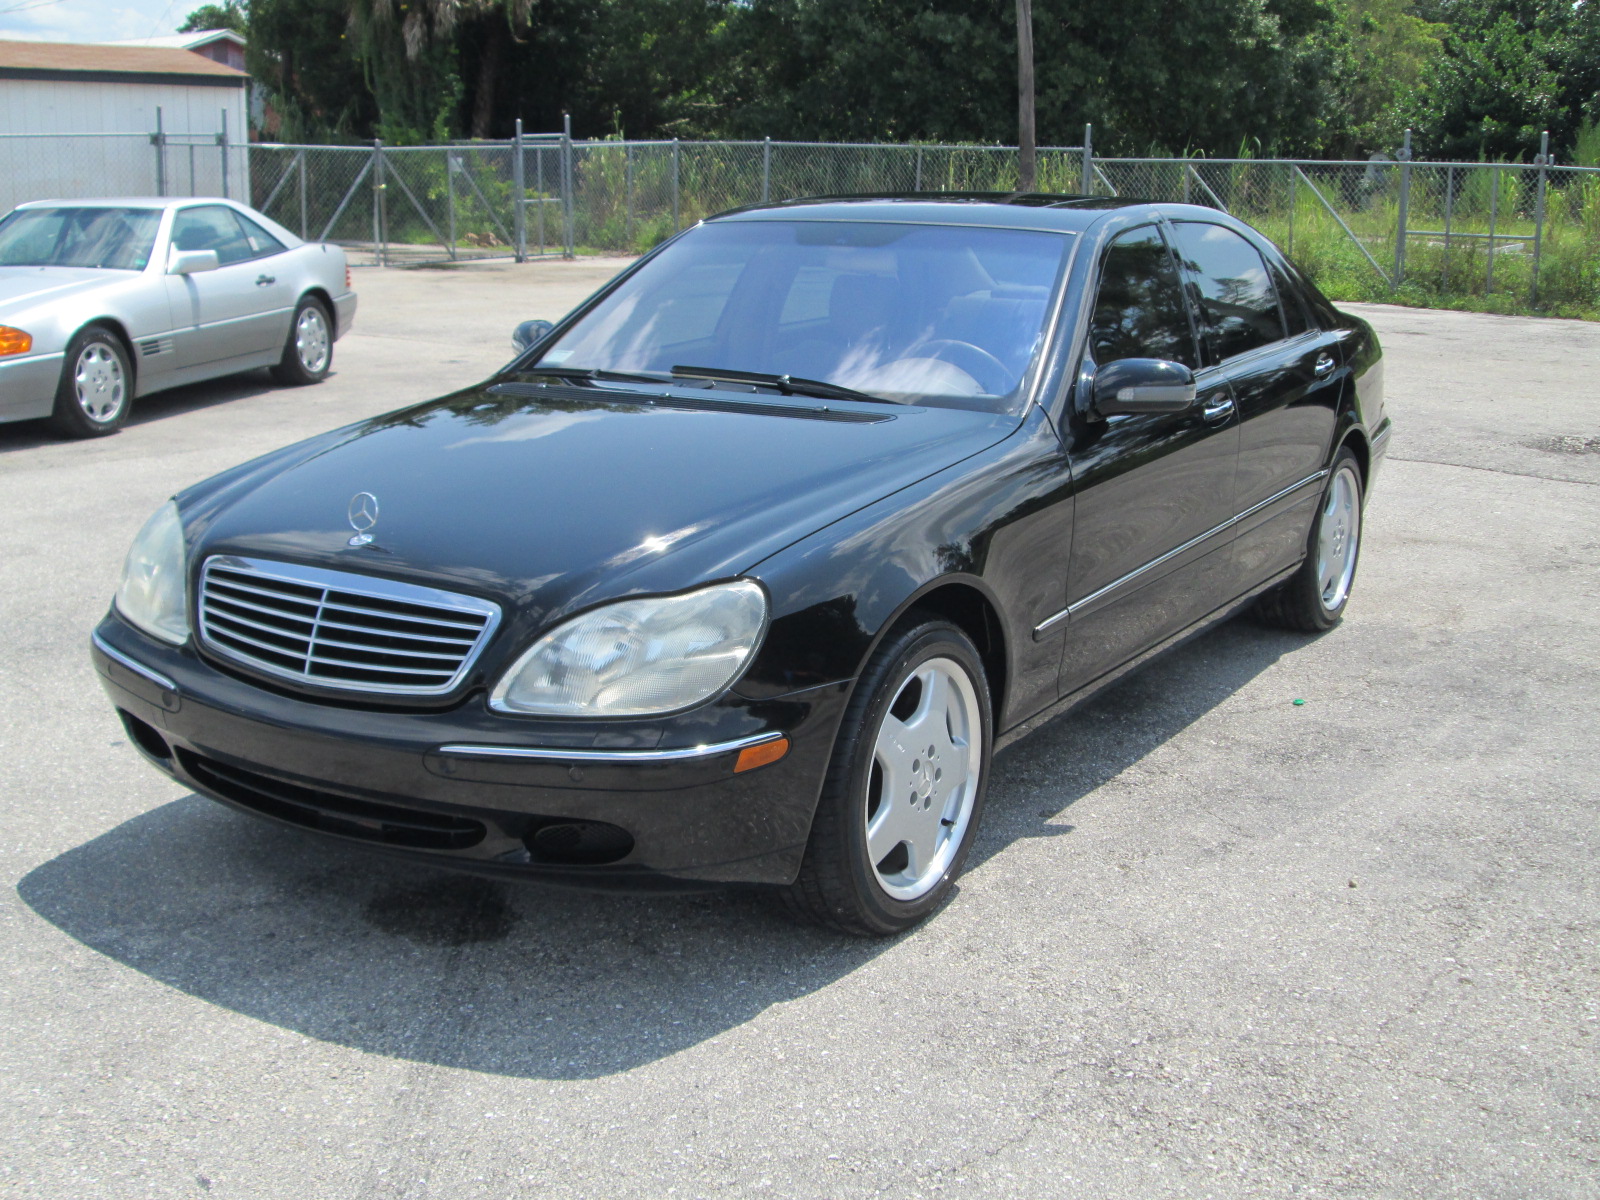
(1286,381)
(1154,490)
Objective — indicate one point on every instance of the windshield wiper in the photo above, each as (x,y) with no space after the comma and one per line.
(599,375)
(789,385)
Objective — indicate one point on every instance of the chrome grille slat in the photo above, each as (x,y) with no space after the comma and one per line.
(341,630)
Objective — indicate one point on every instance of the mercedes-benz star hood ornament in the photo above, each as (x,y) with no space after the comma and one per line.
(363,516)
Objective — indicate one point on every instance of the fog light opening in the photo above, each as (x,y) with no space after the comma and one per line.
(144,735)
(585,843)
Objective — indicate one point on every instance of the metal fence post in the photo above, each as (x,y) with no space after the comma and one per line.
(919,169)
(158,139)
(1449,212)
(1294,201)
(677,223)
(1405,213)
(519,187)
(1538,211)
(1086,183)
(377,200)
(1494,214)
(222,141)
(568,222)
(627,189)
(766,171)
(304,222)
(450,198)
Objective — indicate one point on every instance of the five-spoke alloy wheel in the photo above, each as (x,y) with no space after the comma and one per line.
(1314,598)
(905,788)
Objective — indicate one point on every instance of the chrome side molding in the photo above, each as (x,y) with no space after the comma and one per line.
(623,757)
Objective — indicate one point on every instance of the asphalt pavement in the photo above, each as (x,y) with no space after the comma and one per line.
(1211,942)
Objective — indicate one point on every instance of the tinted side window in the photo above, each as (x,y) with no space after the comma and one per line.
(1139,312)
(211,228)
(1295,318)
(261,242)
(1238,305)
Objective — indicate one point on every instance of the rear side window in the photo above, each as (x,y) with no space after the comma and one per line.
(1295,318)
(261,242)
(1139,310)
(1237,302)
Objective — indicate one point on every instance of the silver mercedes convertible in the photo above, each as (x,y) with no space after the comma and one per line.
(102,301)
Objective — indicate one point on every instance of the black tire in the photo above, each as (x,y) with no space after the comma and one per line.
(1304,601)
(307,353)
(839,887)
(96,387)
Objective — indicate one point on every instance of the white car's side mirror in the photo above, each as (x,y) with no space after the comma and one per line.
(187,262)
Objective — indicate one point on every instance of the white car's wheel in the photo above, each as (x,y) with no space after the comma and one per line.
(308,352)
(96,388)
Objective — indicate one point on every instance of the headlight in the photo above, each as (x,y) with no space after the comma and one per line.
(638,657)
(152,594)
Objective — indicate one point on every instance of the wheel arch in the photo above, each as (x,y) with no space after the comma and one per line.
(121,333)
(968,606)
(1356,440)
(319,293)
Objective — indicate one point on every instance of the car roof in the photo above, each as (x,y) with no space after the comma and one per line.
(1000,210)
(126,202)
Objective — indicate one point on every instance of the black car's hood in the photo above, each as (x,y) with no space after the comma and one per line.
(560,497)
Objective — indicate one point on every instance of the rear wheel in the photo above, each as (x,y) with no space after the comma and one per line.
(308,354)
(96,387)
(901,802)
(1314,598)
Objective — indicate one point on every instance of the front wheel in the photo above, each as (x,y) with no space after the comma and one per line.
(96,387)
(1314,598)
(904,791)
(308,354)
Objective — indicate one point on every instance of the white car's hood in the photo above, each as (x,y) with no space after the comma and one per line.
(25,287)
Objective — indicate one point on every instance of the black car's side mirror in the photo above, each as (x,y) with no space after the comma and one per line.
(1142,385)
(528,333)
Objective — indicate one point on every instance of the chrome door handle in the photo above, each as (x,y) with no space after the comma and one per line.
(1217,407)
(266,280)
(1324,364)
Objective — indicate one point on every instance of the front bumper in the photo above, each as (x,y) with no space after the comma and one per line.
(28,385)
(469,787)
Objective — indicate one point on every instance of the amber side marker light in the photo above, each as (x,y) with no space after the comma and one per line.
(752,757)
(14,341)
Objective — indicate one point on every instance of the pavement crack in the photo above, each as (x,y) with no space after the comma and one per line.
(1436,462)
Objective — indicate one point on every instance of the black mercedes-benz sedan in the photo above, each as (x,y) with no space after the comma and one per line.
(742,571)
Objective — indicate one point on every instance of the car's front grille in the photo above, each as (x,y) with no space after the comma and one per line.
(335,629)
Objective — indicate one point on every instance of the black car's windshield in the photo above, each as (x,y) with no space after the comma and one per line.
(925,313)
(118,239)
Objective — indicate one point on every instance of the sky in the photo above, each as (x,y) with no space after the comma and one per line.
(90,20)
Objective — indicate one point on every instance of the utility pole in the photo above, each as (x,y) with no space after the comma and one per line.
(1027,156)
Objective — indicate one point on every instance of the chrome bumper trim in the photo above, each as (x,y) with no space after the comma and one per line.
(554,754)
(1051,622)
(1381,438)
(138,668)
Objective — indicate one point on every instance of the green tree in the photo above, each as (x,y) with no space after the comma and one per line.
(1509,70)
(230,14)
(298,51)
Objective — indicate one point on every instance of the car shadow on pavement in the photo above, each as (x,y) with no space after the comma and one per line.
(32,434)
(389,957)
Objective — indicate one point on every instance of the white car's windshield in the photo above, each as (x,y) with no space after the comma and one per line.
(920,313)
(117,239)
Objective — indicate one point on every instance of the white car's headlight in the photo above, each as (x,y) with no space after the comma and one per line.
(638,657)
(152,593)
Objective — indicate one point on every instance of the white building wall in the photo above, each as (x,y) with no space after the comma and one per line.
(111,154)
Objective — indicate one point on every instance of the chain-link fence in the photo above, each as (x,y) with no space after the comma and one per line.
(1363,230)
(81,165)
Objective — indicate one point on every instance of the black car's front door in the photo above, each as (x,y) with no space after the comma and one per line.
(1286,381)
(1154,490)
